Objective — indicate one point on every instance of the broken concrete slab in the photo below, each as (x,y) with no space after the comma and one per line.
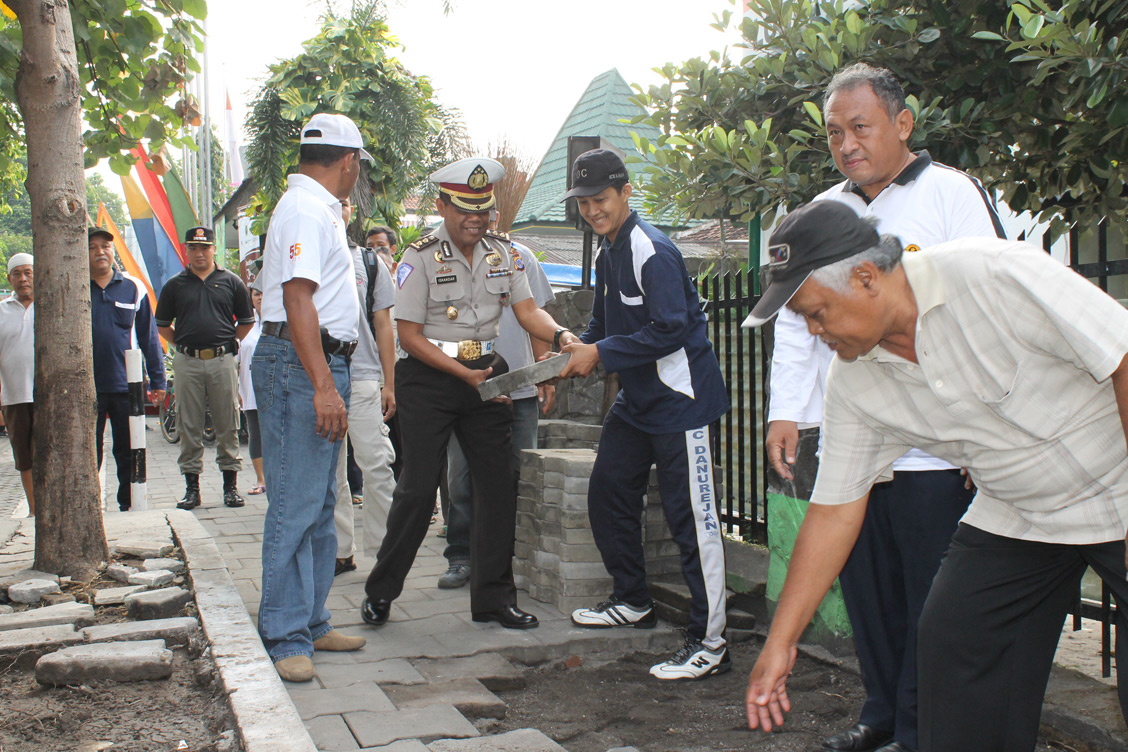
(115,661)
(494,671)
(120,572)
(312,703)
(176,631)
(467,695)
(157,604)
(54,599)
(39,638)
(78,614)
(12,576)
(521,740)
(31,591)
(172,565)
(115,596)
(144,549)
(153,579)
(426,724)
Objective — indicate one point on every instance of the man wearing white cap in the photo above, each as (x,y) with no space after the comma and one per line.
(300,371)
(17,366)
(451,289)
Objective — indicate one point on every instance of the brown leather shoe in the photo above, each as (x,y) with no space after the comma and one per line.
(296,668)
(335,642)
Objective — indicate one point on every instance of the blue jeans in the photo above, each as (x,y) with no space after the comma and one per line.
(525,413)
(299,541)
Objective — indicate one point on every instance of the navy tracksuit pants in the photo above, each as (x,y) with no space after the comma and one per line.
(685,482)
(908,526)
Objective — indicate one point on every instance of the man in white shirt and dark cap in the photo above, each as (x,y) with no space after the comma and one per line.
(992,356)
(300,371)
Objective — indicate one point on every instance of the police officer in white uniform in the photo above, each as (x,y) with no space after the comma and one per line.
(451,288)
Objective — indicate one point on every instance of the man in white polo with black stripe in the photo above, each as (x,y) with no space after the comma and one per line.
(911,518)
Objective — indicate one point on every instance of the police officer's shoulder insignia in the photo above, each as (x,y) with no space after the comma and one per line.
(403,271)
(498,234)
(912,248)
(424,241)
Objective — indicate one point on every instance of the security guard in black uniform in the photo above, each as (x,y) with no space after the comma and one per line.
(451,288)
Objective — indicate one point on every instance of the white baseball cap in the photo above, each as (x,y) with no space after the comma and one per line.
(334,130)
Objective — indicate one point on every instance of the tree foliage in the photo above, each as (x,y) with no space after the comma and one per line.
(134,58)
(349,68)
(1022,95)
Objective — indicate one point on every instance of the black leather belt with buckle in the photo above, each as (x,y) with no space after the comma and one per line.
(331,345)
(207,353)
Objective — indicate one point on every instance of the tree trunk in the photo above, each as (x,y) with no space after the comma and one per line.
(69,537)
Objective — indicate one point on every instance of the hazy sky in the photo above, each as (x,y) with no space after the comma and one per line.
(514,67)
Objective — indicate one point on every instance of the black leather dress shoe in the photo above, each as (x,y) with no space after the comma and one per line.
(857,738)
(509,617)
(375,611)
(896,747)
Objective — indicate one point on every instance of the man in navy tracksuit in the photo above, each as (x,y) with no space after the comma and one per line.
(121,319)
(648,327)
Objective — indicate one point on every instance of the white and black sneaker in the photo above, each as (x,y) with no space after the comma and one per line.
(614,612)
(693,661)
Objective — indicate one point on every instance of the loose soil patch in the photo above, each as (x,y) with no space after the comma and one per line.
(188,711)
(603,705)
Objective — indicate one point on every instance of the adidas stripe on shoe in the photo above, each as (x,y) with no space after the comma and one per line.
(693,661)
(613,612)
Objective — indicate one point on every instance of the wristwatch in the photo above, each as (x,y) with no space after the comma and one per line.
(556,339)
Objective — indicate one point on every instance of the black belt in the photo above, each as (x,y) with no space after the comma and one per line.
(331,345)
(207,353)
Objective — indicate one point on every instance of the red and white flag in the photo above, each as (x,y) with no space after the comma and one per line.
(234,159)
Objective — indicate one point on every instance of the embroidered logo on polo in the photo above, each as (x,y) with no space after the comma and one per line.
(403,272)
(912,248)
(295,251)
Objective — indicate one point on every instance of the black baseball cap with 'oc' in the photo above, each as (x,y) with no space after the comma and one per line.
(811,237)
(595,171)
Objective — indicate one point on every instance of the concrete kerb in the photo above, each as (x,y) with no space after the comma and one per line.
(264,713)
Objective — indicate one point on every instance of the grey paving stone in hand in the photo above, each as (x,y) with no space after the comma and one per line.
(30,591)
(113,661)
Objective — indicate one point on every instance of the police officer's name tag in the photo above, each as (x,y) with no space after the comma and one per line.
(446,279)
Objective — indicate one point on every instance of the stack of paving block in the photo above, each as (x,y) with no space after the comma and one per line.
(567,434)
(556,559)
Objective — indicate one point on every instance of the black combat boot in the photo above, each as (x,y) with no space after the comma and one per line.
(231,497)
(191,492)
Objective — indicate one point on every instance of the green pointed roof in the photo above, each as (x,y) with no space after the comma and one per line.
(597,113)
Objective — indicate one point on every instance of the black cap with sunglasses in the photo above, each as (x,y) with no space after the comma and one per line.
(809,238)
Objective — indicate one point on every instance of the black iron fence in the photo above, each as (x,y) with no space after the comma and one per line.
(727,298)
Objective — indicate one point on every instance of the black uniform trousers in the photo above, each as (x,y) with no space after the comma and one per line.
(115,406)
(431,404)
(989,631)
(908,526)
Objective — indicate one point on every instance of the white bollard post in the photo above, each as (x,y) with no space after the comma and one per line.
(138,498)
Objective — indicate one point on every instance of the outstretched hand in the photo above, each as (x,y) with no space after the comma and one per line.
(767,699)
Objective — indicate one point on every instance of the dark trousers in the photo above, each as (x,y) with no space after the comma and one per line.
(685,483)
(988,635)
(431,405)
(908,526)
(115,406)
